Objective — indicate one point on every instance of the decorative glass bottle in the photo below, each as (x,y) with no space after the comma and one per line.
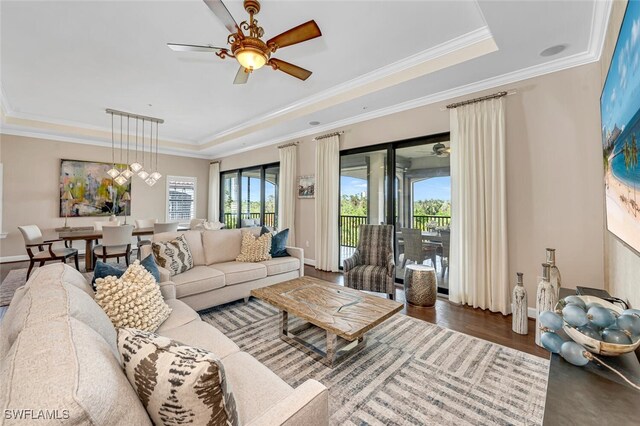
(546,298)
(554,273)
(520,321)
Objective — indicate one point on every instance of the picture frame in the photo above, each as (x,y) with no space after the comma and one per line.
(307,186)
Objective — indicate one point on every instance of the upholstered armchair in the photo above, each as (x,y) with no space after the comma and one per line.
(372,266)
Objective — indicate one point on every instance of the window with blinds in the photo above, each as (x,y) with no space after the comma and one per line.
(181,196)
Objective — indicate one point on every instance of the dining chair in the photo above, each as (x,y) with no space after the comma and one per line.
(141,224)
(197,224)
(444,250)
(165,227)
(116,242)
(99,225)
(415,249)
(33,238)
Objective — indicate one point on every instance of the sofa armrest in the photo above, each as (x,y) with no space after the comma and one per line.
(168,290)
(351,262)
(308,405)
(145,250)
(298,253)
(165,275)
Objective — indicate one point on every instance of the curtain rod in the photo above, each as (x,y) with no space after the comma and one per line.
(131,115)
(215,162)
(288,144)
(480,99)
(328,135)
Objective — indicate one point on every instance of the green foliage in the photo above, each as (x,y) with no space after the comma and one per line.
(432,207)
(353,205)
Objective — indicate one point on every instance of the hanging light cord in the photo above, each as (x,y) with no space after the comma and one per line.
(113,154)
(128,134)
(120,142)
(157,146)
(142,142)
(137,139)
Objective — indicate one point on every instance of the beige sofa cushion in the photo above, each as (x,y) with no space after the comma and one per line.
(181,314)
(62,364)
(202,335)
(194,240)
(256,388)
(198,280)
(281,265)
(221,246)
(241,272)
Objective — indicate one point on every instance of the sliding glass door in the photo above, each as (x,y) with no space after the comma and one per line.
(363,200)
(419,195)
(230,199)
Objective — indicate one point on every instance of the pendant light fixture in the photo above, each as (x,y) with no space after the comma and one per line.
(150,173)
(135,166)
(127,173)
(113,172)
(143,174)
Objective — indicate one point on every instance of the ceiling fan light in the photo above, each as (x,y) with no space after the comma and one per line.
(136,167)
(251,59)
(126,173)
(113,172)
(156,175)
(143,174)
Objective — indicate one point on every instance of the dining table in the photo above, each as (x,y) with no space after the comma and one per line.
(90,235)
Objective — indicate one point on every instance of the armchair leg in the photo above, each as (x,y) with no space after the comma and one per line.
(392,296)
(75,260)
(31,263)
(126,259)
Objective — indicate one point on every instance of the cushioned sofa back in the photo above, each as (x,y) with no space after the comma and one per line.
(194,239)
(59,354)
(222,245)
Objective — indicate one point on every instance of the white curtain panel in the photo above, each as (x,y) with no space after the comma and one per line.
(214,192)
(287,191)
(478,274)
(327,195)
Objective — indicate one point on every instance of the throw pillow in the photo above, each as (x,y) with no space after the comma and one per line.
(173,255)
(213,226)
(254,249)
(133,300)
(150,265)
(176,383)
(103,270)
(278,242)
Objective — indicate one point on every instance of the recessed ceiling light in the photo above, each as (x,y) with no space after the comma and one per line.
(553,50)
(364,107)
(314,123)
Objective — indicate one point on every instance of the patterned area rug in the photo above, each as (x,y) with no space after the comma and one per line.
(411,371)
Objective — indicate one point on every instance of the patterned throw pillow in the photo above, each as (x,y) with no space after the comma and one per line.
(177,384)
(173,255)
(133,300)
(254,249)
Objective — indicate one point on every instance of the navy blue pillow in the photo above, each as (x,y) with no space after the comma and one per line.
(103,270)
(149,263)
(278,242)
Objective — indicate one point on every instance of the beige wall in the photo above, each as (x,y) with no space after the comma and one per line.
(31,176)
(622,263)
(554,171)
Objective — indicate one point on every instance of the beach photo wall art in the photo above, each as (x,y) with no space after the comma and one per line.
(94,192)
(620,111)
(306,186)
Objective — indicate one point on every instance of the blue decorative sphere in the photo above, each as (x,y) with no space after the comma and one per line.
(551,320)
(574,353)
(577,300)
(602,317)
(574,315)
(551,342)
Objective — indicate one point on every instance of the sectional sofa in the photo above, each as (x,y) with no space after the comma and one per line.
(216,277)
(59,359)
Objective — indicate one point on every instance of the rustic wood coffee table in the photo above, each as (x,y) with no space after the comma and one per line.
(344,313)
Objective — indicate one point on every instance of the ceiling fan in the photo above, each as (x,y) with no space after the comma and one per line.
(248,48)
(441,150)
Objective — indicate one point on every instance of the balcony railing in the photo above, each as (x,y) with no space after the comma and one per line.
(231,219)
(349,226)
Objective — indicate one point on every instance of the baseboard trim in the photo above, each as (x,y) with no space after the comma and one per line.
(310,262)
(532,313)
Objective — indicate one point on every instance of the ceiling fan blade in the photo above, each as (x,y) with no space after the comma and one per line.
(290,69)
(192,48)
(301,33)
(220,10)
(241,76)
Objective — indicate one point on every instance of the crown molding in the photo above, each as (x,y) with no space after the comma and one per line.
(446,95)
(34,133)
(397,69)
(599,25)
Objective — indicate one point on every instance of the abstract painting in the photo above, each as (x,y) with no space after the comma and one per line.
(306,186)
(620,110)
(94,192)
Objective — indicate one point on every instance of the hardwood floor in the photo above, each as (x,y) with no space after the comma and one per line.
(479,323)
(486,325)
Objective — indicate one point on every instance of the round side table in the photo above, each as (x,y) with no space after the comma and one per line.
(420,285)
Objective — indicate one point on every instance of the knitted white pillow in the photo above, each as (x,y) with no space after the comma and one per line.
(254,249)
(133,300)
